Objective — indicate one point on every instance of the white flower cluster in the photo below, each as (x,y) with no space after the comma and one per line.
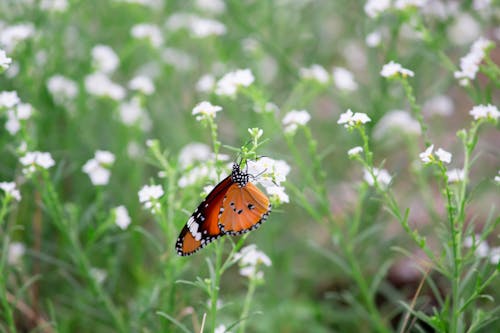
(15,252)
(381,175)
(316,73)
(149,196)
(122,218)
(455,175)
(36,159)
(485,112)
(294,119)
(396,120)
(469,64)
(344,79)
(149,32)
(142,84)
(270,173)
(228,85)
(16,111)
(4,60)
(12,35)
(350,119)
(54,5)
(392,69)
(98,167)
(250,260)
(62,89)
(199,27)
(205,110)
(132,113)
(11,190)
(442,155)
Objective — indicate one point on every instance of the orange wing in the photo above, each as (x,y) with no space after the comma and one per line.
(202,227)
(243,209)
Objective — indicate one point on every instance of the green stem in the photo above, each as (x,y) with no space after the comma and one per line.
(248,301)
(215,283)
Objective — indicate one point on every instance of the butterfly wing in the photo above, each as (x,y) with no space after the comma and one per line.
(243,209)
(202,227)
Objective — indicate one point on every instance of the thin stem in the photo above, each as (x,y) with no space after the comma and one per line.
(219,247)
(248,301)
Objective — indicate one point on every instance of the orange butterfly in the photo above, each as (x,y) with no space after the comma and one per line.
(235,206)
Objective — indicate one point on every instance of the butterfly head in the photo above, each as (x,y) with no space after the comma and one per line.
(239,177)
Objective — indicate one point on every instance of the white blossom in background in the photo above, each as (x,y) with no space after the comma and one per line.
(62,88)
(441,105)
(315,72)
(344,79)
(21,112)
(373,8)
(392,69)
(350,119)
(122,218)
(9,99)
(105,59)
(455,175)
(98,274)
(427,156)
(396,120)
(250,260)
(277,193)
(36,159)
(205,110)
(149,196)
(212,6)
(131,112)
(153,4)
(11,189)
(54,5)
(464,28)
(294,119)
(481,248)
(150,32)
(373,39)
(143,84)
(443,155)
(381,175)
(135,150)
(12,35)
(206,83)
(481,4)
(228,85)
(494,255)
(497,178)
(268,107)
(178,59)
(485,112)
(199,173)
(221,328)
(15,252)
(204,27)
(98,168)
(194,152)
(270,174)
(404,4)
(469,64)
(99,84)
(355,151)
(4,60)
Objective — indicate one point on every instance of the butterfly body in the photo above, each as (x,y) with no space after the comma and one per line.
(235,206)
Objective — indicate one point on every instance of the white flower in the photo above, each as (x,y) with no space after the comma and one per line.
(205,110)
(149,195)
(131,112)
(374,8)
(100,84)
(439,105)
(392,68)
(455,175)
(256,132)
(148,31)
(494,255)
(197,173)
(344,79)
(497,178)
(268,172)
(204,27)
(396,120)
(54,5)
(4,60)
(97,168)
(250,258)
(373,39)
(382,176)
(221,329)
(229,83)
(426,156)
(105,59)
(193,152)
(403,4)
(355,151)
(12,125)
(8,99)
(485,112)
(143,84)
(24,111)
(32,160)
(62,88)
(98,274)
(278,194)
(212,6)
(315,72)
(464,28)
(14,253)
(178,59)
(122,219)
(469,64)
(10,189)
(10,36)
(350,119)
(294,119)
(268,107)
(481,4)
(443,155)
(206,83)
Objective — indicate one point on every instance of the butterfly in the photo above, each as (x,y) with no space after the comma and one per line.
(235,206)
